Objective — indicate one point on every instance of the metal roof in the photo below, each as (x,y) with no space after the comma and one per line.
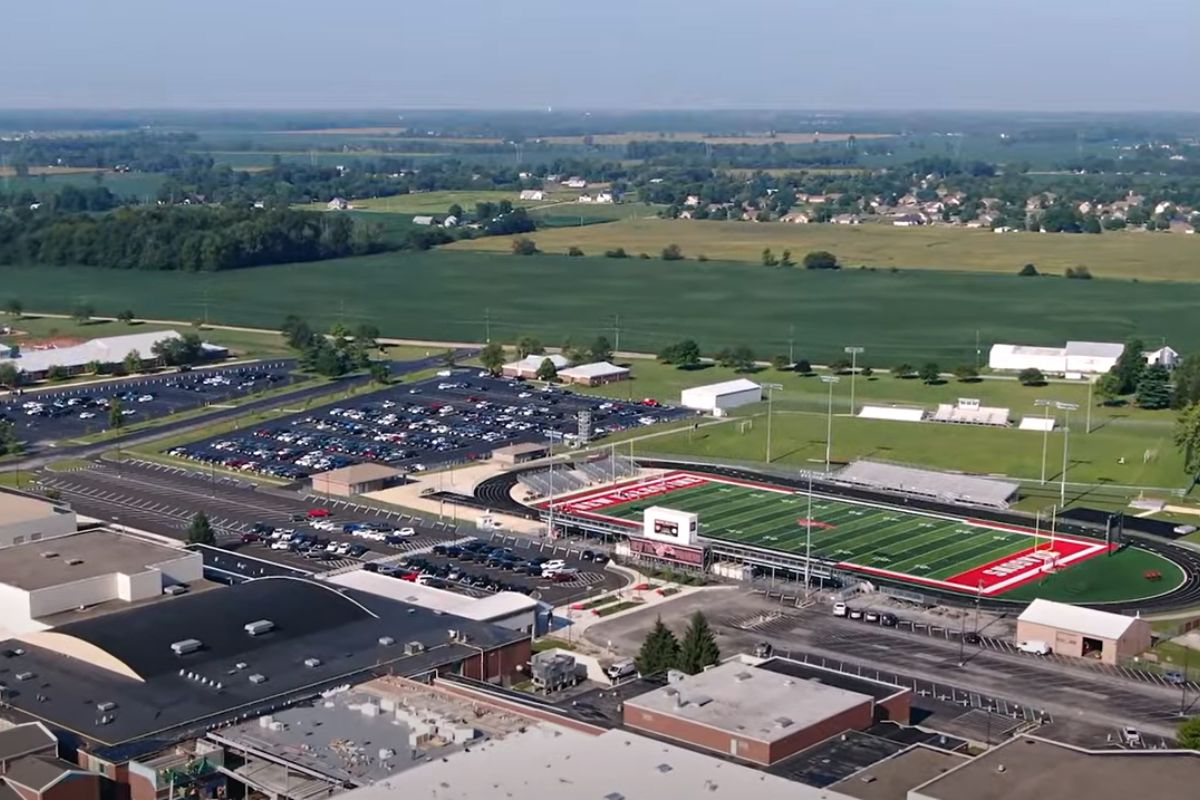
(1086,621)
(1095,349)
(534,361)
(106,349)
(597,370)
(725,387)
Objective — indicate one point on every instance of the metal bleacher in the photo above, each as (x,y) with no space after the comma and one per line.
(545,483)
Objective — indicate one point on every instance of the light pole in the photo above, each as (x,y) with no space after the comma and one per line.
(830,380)
(770,387)
(1045,406)
(1068,408)
(853,351)
(1087,427)
(808,543)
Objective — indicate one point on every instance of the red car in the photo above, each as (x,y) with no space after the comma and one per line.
(318,512)
(649,401)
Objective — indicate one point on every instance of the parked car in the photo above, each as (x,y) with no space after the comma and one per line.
(625,668)
(839,609)
(1035,647)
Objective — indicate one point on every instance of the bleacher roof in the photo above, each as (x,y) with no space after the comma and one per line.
(946,486)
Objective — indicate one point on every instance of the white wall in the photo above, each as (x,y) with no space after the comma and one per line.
(14,608)
(735,399)
(1019,361)
(1092,364)
(53,524)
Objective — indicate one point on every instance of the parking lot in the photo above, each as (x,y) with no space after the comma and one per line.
(79,410)
(414,426)
(163,499)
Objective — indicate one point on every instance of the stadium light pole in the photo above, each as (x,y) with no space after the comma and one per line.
(830,380)
(1068,408)
(1045,406)
(771,389)
(853,351)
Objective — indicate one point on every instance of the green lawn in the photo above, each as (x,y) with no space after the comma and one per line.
(1104,579)
(448,295)
(1125,254)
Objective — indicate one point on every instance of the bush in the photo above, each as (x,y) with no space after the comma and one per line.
(821,259)
(903,370)
(574,251)
(702,257)
(524,246)
(803,367)
(1031,377)
(616,252)
(1028,271)
(672,252)
(1078,273)
(966,372)
(644,256)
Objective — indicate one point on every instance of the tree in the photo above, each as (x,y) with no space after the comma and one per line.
(600,349)
(15,308)
(367,334)
(116,420)
(1091,224)
(296,332)
(57,373)
(1078,273)
(741,358)
(448,357)
(781,362)
(9,443)
(1186,378)
(546,371)
(930,373)
(803,367)
(672,252)
(529,346)
(1031,376)
(132,362)
(10,376)
(179,351)
(455,210)
(1130,365)
(1108,389)
(659,651)
(768,258)
(1153,388)
(1028,271)
(1187,735)
(574,251)
(903,370)
(82,312)
(1187,437)
(380,372)
(616,252)
(524,246)
(966,372)
(682,354)
(785,260)
(820,259)
(126,316)
(866,372)
(492,357)
(200,531)
(840,366)
(699,646)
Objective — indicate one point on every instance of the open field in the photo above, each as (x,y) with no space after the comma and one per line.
(1130,254)
(430,202)
(10,172)
(697,136)
(140,185)
(448,296)
(962,555)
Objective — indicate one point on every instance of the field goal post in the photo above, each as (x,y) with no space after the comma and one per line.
(1114,530)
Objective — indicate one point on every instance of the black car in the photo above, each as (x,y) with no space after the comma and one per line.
(453,551)
(888,620)
(440,550)
(587,555)
(467,555)
(262,529)
(600,558)
(971,637)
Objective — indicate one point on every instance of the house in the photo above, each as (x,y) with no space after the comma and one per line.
(575,182)
(422,219)
(846,219)
(450,222)
(604,197)
(1164,207)
(585,198)
(691,201)
(337,204)
(796,218)
(532,194)
(908,220)
(685,214)
(1164,356)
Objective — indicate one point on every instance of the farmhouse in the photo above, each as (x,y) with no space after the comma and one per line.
(1083,358)
(532,194)
(422,219)
(337,204)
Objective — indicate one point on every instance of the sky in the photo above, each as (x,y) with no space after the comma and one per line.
(1052,55)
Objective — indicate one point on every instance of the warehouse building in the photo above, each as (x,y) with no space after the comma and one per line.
(759,714)
(514,454)
(528,367)
(595,374)
(1075,359)
(86,570)
(1030,767)
(1083,632)
(354,479)
(30,519)
(717,398)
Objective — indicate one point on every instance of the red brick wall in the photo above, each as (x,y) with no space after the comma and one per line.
(501,663)
(857,718)
(75,787)
(140,788)
(897,708)
(694,733)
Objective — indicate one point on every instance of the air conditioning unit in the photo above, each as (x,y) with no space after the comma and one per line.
(185,646)
(386,641)
(24,676)
(258,678)
(312,663)
(259,627)
(106,706)
(413,648)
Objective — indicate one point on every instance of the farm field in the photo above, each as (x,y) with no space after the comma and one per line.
(140,185)
(1133,254)
(448,295)
(961,555)
(697,136)
(430,202)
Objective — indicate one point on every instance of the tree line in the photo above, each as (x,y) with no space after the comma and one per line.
(181,238)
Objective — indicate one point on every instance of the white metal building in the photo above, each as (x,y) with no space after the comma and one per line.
(27,519)
(1092,358)
(594,374)
(106,350)
(717,398)
(527,367)
(43,578)
(1076,358)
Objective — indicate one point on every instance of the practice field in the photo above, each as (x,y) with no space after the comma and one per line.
(963,555)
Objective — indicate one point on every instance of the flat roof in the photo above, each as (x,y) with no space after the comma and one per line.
(597,370)
(891,778)
(550,762)
(951,486)
(80,556)
(521,449)
(357,473)
(1034,767)
(839,680)
(748,701)
(535,361)
(836,758)
(495,606)
(1086,621)
(126,657)
(19,508)
(106,349)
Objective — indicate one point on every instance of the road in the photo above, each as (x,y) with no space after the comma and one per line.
(1092,703)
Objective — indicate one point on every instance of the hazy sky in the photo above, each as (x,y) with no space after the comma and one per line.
(846,54)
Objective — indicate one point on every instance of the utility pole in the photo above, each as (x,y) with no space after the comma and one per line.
(792,343)
(487,325)
(853,351)
(1087,427)
(616,333)
(771,388)
(1067,407)
(808,541)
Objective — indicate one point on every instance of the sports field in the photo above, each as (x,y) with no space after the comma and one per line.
(964,555)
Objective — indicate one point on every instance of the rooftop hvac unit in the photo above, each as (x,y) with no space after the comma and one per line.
(49,554)
(258,678)
(185,646)
(74,562)
(106,706)
(175,589)
(386,641)
(453,634)
(24,676)
(259,627)
(413,648)
(240,665)
(312,663)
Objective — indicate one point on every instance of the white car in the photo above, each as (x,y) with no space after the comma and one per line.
(840,609)
(1131,737)
(146,398)
(282,544)
(405,532)
(1034,647)
(342,549)
(86,414)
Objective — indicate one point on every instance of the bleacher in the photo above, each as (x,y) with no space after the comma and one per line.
(547,483)
(607,469)
(582,475)
(892,413)
(968,411)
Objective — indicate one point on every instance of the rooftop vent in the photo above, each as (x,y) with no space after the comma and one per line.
(175,589)
(701,699)
(49,554)
(868,779)
(784,722)
(413,648)
(664,768)
(312,663)
(106,706)
(258,678)
(259,627)
(614,796)
(742,677)
(24,676)
(386,641)
(74,562)
(185,646)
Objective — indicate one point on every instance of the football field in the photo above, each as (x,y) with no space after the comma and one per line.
(959,554)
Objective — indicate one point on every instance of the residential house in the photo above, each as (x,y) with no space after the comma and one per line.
(604,197)
(450,221)
(909,220)
(691,201)
(575,182)
(685,214)
(337,204)
(796,218)
(422,219)
(585,198)
(909,199)
(532,194)
(846,219)
(1164,207)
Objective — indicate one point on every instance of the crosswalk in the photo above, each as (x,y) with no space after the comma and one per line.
(773,623)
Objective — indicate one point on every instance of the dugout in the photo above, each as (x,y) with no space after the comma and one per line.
(1083,632)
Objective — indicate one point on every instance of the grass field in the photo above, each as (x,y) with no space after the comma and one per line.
(430,202)
(1110,255)
(140,185)
(956,554)
(448,295)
